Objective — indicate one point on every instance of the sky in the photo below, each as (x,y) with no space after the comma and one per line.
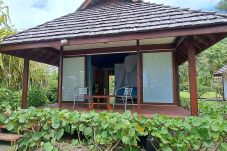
(26,14)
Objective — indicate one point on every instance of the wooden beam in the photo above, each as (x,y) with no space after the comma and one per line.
(139,74)
(174,77)
(120,49)
(211,37)
(201,40)
(180,41)
(24,103)
(52,50)
(192,78)
(177,78)
(31,56)
(120,37)
(201,47)
(60,76)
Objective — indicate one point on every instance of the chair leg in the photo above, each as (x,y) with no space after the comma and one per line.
(114,103)
(98,103)
(74,104)
(126,99)
(132,103)
(89,101)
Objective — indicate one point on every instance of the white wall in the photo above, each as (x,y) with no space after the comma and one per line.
(157,77)
(73,76)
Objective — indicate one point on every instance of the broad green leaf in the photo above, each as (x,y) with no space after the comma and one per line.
(104,134)
(75,142)
(48,146)
(55,125)
(36,136)
(59,134)
(21,119)
(88,131)
(125,140)
(215,126)
(223,146)
(166,147)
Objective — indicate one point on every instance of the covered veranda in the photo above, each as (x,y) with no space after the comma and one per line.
(183,35)
(147,110)
(184,48)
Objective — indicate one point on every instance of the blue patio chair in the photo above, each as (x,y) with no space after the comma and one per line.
(124,94)
(80,93)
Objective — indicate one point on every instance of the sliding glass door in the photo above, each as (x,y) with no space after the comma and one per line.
(157,77)
(73,76)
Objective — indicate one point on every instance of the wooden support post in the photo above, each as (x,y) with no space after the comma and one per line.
(192,77)
(178,86)
(60,75)
(24,103)
(138,79)
(176,80)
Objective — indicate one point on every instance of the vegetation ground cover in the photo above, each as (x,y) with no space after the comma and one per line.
(46,128)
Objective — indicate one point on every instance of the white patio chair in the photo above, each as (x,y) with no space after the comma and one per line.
(80,93)
(127,95)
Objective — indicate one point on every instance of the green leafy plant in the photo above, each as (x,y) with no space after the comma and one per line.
(206,108)
(37,97)
(114,131)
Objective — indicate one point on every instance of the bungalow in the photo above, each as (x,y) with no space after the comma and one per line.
(140,44)
(223,74)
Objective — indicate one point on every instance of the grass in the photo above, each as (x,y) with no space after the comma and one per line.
(207,95)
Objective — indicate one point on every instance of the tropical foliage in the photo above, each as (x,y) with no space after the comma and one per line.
(11,71)
(208,62)
(206,108)
(222,5)
(115,131)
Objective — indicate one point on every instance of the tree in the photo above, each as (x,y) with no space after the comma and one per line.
(11,67)
(222,5)
(5,29)
(208,62)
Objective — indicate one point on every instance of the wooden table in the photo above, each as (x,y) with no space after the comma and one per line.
(98,97)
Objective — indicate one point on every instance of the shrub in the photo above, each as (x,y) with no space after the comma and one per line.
(206,108)
(9,99)
(115,131)
(37,97)
(96,130)
(52,88)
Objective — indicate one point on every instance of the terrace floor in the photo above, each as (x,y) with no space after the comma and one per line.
(146,110)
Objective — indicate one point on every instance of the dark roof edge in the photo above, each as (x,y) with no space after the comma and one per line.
(122,34)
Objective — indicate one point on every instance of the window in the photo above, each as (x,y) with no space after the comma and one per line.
(73,76)
(157,77)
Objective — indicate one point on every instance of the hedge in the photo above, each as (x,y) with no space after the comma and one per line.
(115,131)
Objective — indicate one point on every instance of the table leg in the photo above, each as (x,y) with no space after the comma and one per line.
(98,102)
(108,104)
(91,104)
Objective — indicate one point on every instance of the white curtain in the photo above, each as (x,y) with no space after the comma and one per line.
(73,76)
(157,77)
(130,70)
(125,74)
(119,75)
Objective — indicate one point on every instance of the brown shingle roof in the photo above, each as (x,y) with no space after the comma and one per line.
(111,18)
